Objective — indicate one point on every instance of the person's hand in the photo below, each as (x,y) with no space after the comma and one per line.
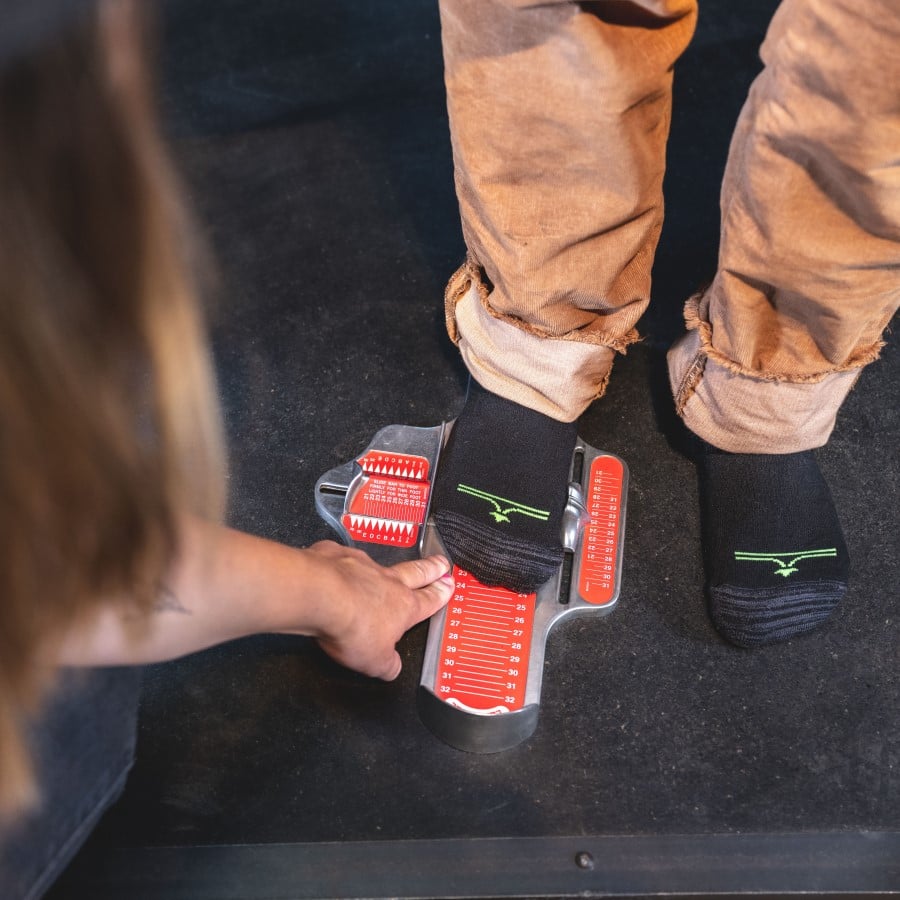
(364,609)
(225,584)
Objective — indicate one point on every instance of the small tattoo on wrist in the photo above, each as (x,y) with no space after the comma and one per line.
(167,601)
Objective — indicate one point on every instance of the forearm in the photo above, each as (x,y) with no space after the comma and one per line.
(223,585)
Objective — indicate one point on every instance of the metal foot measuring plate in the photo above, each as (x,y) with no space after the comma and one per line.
(480,688)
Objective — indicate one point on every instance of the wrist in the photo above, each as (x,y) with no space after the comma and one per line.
(312,603)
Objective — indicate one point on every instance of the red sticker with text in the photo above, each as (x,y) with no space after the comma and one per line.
(600,543)
(483,662)
(394,465)
(389,505)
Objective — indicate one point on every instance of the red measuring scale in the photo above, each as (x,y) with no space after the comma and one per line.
(389,505)
(485,647)
(600,542)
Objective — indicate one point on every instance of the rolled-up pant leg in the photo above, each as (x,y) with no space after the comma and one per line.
(559,115)
(809,265)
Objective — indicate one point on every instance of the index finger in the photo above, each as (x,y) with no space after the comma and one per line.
(419,573)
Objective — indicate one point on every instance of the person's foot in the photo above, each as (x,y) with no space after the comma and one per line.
(501,490)
(776,561)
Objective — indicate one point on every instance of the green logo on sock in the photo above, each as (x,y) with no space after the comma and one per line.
(501,514)
(786,562)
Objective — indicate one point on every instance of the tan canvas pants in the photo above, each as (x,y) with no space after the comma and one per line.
(559,116)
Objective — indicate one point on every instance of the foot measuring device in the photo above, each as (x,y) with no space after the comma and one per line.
(480,687)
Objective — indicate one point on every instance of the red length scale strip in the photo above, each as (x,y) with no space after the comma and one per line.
(599,554)
(485,646)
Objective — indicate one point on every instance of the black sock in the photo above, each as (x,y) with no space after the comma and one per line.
(501,490)
(776,561)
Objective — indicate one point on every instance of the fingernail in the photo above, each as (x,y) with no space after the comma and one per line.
(448,577)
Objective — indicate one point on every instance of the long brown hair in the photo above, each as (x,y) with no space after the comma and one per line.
(108,422)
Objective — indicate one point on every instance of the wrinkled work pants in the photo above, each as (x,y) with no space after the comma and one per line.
(559,117)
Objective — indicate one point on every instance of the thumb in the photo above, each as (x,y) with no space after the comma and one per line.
(394,669)
(428,600)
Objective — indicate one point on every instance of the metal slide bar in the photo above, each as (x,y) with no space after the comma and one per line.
(854,864)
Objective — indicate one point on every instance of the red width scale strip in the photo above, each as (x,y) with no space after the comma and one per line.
(600,543)
(483,662)
(390,505)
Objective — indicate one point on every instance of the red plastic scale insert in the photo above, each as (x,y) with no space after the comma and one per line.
(484,651)
(389,505)
(600,543)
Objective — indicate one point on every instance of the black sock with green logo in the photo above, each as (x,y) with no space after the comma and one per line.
(501,490)
(776,561)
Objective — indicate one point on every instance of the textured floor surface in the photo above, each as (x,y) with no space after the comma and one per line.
(314,140)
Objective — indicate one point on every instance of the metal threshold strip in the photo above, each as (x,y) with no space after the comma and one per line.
(840,864)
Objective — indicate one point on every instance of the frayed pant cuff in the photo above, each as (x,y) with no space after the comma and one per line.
(740,413)
(554,376)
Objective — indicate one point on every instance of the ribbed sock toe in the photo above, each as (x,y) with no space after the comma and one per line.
(517,564)
(501,491)
(776,561)
(754,617)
